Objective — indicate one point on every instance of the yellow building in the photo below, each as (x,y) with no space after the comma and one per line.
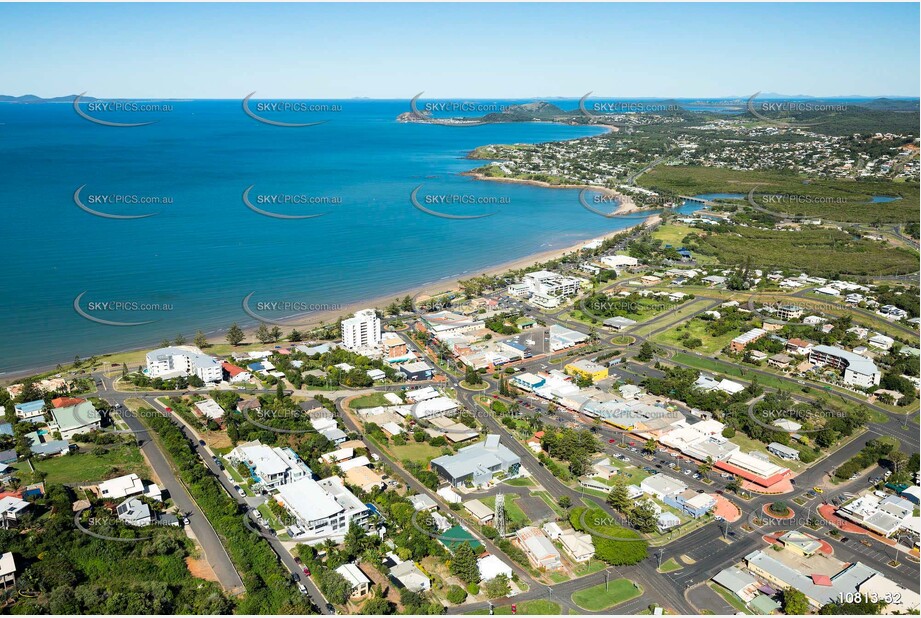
(587,369)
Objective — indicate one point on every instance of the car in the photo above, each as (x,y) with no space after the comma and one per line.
(297,560)
(658,465)
(612,441)
(202,443)
(700,491)
(169,409)
(818,490)
(302,588)
(306,571)
(185,520)
(687,473)
(865,543)
(719,491)
(241,492)
(844,539)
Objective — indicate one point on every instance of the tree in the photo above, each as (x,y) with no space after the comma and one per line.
(235,335)
(498,587)
(650,446)
(618,497)
(275,333)
(794,602)
(263,334)
(464,564)
(377,607)
(295,336)
(456,595)
(565,502)
(179,340)
(646,353)
(200,340)
(472,376)
(279,391)
(704,468)
(644,517)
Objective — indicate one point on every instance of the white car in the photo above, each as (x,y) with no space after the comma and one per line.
(302,588)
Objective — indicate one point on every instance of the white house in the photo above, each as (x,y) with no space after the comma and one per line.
(359,582)
(269,466)
(492,567)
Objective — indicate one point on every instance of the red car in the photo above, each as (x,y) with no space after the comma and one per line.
(169,409)
(612,441)
(306,571)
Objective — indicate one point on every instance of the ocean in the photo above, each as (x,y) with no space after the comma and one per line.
(189,266)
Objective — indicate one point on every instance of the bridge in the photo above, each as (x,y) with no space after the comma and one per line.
(691,198)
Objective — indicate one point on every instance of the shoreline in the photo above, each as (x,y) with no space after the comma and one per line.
(314,320)
(625,203)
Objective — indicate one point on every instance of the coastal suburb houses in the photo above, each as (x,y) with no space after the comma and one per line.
(183,361)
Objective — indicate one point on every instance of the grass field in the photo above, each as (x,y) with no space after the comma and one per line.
(520,482)
(850,203)
(679,316)
(415,451)
(87,467)
(513,512)
(373,400)
(528,608)
(695,328)
(596,598)
(670,566)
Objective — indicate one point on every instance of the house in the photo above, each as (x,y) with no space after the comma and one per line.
(666,521)
(478,463)
(209,408)
(552,530)
(423,502)
(376,374)
(7,570)
(269,466)
(120,487)
(32,411)
(408,575)
(334,435)
(480,511)
(780,361)
(491,567)
(449,495)
(235,374)
(12,508)
(63,402)
(881,341)
(618,261)
(783,451)
(538,548)
(579,547)
(72,420)
(41,442)
(798,347)
(359,582)
(134,512)
(738,582)
(321,509)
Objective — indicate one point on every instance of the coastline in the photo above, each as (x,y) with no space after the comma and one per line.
(625,203)
(316,319)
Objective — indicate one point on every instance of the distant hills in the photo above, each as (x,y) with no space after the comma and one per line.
(31,98)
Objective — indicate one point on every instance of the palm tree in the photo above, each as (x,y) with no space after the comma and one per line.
(705,467)
(650,446)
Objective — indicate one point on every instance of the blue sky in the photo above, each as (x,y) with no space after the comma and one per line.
(459,50)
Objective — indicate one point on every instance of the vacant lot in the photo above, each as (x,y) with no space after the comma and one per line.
(603,596)
(87,467)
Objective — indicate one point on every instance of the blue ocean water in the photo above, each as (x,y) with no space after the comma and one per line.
(189,266)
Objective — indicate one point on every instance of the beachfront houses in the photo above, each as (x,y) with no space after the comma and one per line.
(32,411)
(183,361)
(72,420)
(362,331)
(321,509)
(477,464)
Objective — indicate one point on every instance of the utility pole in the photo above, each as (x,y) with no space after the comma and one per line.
(660,559)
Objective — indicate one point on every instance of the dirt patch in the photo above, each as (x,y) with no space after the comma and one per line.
(200,568)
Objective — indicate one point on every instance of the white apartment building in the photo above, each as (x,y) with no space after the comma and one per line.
(858,370)
(321,509)
(183,361)
(363,330)
(269,466)
(546,283)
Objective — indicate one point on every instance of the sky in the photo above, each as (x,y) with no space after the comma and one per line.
(459,50)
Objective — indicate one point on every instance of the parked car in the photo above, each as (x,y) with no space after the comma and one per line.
(306,571)
(302,588)
(201,443)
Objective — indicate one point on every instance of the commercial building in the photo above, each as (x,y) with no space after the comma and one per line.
(783,451)
(858,370)
(741,342)
(183,361)
(417,371)
(587,369)
(537,547)
(477,463)
(662,485)
(549,284)
(361,331)
(689,501)
(754,469)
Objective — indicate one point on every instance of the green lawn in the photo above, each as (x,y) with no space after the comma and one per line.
(596,598)
(87,467)
(528,608)
(670,565)
(373,400)
(695,328)
(520,482)
(415,451)
(513,512)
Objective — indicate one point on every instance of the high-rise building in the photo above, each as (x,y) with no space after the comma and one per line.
(361,331)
